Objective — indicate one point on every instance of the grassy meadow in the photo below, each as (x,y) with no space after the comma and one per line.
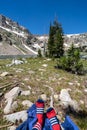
(39,74)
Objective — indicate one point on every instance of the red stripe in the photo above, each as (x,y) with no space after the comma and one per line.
(37,126)
(56,127)
(38,104)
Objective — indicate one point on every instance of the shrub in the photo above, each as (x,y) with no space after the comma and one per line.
(0,38)
(39,53)
(71,62)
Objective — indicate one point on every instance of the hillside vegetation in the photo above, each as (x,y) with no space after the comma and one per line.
(39,75)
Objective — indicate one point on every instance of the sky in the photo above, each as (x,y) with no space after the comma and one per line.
(36,15)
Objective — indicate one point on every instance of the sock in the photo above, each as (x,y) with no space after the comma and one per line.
(39,114)
(51,115)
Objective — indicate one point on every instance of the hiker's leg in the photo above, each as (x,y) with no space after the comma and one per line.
(51,115)
(39,114)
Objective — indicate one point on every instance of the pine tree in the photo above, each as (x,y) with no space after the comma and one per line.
(55,42)
(51,41)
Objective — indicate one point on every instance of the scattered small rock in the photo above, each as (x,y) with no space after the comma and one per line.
(70,83)
(1,94)
(45,65)
(78,84)
(19,70)
(33,92)
(60,79)
(27,103)
(25,61)
(31,72)
(56,97)
(48,59)
(4,74)
(82,102)
(25,93)
(42,70)
(85,90)
(44,97)
(29,87)
(26,79)
(78,91)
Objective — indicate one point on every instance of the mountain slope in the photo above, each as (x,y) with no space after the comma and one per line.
(15,39)
(79,40)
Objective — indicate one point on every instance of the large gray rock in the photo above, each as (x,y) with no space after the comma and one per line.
(17,62)
(10,107)
(22,115)
(65,100)
(13,93)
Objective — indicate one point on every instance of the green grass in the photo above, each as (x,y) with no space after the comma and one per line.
(82,123)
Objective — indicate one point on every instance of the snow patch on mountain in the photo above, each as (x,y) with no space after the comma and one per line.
(69,35)
(30,49)
(41,38)
(9,30)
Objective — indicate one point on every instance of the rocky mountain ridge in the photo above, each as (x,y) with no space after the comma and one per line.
(79,40)
(17,40)
(9,25)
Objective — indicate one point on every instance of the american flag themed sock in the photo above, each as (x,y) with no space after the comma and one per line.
(51,115)
(39,114)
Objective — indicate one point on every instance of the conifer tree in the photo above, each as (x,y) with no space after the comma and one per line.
(51,41)
(55,42)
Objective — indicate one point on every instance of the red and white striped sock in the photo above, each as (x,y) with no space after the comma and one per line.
(39,114)
(51,115)
(37,126)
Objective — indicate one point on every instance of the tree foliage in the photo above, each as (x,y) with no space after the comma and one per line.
(39,53)
(28,40)
(0,38)
(55,42)
(71,62)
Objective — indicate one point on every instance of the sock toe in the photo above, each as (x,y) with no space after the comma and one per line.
(50,113)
